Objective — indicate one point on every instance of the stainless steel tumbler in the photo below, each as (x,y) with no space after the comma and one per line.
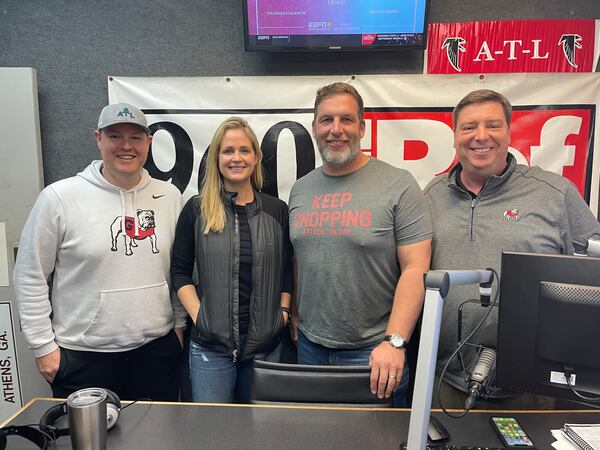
(87,419)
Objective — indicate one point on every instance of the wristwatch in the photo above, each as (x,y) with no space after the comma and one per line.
(395,340)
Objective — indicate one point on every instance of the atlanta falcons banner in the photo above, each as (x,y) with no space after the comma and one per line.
(408,122)
(512,46)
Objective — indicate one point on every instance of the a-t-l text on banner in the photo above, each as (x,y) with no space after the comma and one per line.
(512,46)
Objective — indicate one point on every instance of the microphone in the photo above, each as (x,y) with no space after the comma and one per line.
(593,247)
(485,290)
(587,247)
(479,376)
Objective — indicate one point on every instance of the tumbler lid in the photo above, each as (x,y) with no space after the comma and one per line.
(86,397)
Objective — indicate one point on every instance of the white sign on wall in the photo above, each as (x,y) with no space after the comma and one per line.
(21,180)
(408,122)
(10,387)
(3,256)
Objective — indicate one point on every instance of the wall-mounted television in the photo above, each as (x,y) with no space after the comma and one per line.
(325,25)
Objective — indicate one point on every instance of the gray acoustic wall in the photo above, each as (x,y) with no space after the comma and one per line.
(76,44)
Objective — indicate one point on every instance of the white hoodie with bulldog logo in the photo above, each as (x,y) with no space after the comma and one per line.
(107,253)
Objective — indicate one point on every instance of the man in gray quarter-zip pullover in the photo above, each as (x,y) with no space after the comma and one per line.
(488,204)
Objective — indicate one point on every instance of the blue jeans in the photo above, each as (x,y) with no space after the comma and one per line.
(311,353)
(216,378)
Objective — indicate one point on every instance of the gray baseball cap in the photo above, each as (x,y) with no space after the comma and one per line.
(122,113)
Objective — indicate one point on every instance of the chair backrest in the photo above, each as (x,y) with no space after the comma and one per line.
(279,383)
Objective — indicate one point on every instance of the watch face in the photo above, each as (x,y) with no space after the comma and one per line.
(396,341)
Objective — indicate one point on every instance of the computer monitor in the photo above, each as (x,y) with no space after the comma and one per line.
(549,324)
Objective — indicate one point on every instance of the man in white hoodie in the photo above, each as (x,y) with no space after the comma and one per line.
(92,272)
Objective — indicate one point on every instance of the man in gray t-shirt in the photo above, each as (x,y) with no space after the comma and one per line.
(362,238)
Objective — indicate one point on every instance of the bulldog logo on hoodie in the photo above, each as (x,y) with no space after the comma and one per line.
(133,230)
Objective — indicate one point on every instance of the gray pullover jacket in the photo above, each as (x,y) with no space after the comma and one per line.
(525,209)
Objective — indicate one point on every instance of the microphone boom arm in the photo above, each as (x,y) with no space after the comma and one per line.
(437,285)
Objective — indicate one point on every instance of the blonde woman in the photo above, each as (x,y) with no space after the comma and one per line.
(238,239)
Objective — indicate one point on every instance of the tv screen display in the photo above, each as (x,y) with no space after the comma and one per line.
(321,25)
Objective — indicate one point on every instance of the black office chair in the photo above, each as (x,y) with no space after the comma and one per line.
(279,383)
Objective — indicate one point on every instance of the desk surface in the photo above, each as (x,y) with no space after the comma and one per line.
(147,425)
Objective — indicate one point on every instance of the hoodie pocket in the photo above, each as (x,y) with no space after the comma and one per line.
(129,317)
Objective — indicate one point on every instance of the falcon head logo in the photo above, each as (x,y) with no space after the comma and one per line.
(570,42)
(453,46)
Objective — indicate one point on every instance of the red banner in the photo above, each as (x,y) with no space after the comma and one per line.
(511,46)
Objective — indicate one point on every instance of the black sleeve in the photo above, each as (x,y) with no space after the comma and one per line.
(184,245)
(288,253)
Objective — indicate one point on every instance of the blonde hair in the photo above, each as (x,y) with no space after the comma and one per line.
(213,192)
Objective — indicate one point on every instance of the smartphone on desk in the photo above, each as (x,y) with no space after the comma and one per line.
(510,432)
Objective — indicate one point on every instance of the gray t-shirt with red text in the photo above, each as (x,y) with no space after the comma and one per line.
(345,230)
